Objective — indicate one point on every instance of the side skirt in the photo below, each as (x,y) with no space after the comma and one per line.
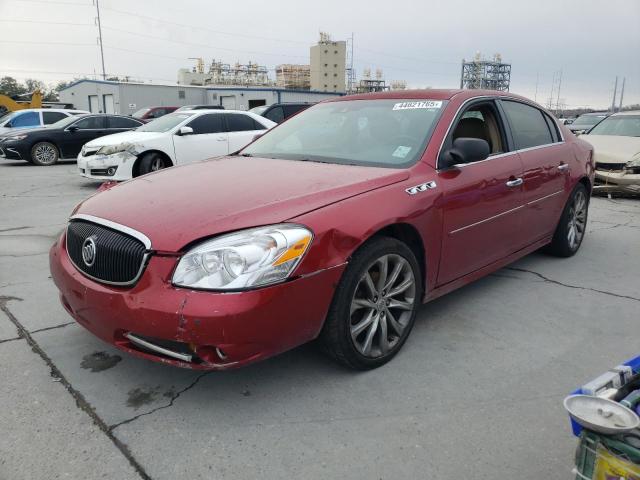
(470,277)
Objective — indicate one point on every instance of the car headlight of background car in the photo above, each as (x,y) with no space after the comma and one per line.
(113,149)
(245,259)
(13,138)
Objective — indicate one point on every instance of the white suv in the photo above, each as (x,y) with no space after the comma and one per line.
(174,139)
(34,118)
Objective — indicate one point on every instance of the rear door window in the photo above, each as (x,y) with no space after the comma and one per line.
(52,117)
(122,122)
(276,114)
(292,109)
(91,123)
(208,123)
(236,122)
(27,119)
(528,125)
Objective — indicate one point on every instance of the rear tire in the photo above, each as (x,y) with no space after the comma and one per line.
(572,225)
(151,162)
(374,306)
(44,154)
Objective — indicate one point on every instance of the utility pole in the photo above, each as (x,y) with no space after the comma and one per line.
(558,97)
(622,93)
(615,91)
(104,74)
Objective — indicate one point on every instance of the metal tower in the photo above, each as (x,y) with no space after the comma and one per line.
(486,74)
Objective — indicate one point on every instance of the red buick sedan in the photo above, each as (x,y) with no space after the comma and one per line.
(335,225)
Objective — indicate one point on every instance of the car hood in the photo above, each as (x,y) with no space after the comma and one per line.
(21,131)
(124,137)
(179,205)
(614,148)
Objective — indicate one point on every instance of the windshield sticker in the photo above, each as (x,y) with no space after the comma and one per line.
(420,104)
(401,151)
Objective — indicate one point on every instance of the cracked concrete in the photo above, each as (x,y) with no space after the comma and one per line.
(476,392)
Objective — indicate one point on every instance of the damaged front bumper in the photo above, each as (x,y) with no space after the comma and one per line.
(194,329)
(618,178)
(116,167)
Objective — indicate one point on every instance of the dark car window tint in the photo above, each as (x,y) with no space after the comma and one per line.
(122,122)
(90,123)
(275,114)
(211,123)
(52,117)
(237,122)
(528,125)
(27,119)
(292,109)
(552,127)
(258,125)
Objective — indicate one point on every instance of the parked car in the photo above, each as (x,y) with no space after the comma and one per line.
(616,142)
(200,107)
(336,225)
(34,117)
(149,113)
(279,112)
(586,121)
(177,138)
(64,139)
(565,121)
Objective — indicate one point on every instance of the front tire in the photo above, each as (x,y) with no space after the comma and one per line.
(572,226)
(44,154)
(375,305)
(151,162)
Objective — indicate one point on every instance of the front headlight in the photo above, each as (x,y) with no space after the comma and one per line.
(111,149)
(246,259)
(15,138)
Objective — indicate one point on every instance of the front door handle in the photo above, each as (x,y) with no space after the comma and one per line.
(221,139)
(563,167)
(515,183)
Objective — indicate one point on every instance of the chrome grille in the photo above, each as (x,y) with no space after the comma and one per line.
(118,258)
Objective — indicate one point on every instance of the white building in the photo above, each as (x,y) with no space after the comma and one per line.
(328,65)
(125,98)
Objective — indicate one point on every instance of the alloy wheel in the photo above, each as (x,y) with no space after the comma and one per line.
(45,154)
(382,305)
(577,220)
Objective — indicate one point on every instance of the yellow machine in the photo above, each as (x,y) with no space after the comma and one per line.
(11,105)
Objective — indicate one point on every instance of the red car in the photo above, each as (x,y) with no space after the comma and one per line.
(151,113)
(336,225)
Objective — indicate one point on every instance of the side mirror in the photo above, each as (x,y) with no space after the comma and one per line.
(185,131)
(73,128)
(464,150)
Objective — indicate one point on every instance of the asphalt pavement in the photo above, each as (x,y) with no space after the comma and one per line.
(476,392)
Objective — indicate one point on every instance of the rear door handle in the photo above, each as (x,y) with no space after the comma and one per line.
(515,183)
(563,167)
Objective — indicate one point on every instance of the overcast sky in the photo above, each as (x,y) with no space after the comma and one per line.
(420,41)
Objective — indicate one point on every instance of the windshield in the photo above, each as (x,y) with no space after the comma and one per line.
(623,125)
(259,110)
(588,120)
(8,116)
(164,123)
(140,113)
(384,133)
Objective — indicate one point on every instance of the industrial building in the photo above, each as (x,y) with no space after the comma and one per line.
(328,65)
(486,74)
(219,73)
(125,98)
(296,77)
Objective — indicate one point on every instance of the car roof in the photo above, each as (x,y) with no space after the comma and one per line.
(214,110)
(428,94)
(628,112)
(594,114)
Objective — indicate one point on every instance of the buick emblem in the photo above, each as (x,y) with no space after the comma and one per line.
(89,251)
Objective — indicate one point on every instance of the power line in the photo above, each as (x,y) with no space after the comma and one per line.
(47,22)
(26,42)
(191,27)
(55,2)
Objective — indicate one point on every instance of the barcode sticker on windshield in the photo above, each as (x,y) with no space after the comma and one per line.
(418,104)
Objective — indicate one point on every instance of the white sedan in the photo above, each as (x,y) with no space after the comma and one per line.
(173,139)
